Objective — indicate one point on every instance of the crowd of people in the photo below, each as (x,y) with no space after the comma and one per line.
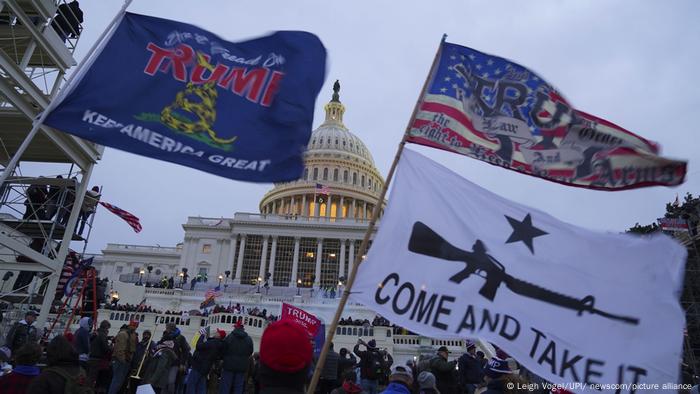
(55,202)
(219,362)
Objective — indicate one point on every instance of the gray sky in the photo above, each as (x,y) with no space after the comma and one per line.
(632,62)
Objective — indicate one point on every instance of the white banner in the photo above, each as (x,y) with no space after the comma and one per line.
(452,260)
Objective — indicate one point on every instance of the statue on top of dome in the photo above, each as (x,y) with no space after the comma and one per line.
(336,91)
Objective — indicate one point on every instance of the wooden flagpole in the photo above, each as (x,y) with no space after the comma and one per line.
(363,247)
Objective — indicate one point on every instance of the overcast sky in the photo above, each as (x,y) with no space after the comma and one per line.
(634,63)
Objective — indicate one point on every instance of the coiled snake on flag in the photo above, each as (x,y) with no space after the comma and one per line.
(198,100)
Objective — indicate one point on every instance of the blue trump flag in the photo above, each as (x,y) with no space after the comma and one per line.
(174,92)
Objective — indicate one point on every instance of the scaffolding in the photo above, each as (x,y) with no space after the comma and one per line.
(45,173)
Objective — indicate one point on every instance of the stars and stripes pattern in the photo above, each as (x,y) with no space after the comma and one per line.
(322,189)
(491,109)
(132,220)
(73,267)
(213,293)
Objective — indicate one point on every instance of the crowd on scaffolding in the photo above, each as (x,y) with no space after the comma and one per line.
(87,361)
(55,202)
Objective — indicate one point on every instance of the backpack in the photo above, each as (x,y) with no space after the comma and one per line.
(74,384)
(374,366)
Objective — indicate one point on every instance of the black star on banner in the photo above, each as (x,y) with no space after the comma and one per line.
(524,231)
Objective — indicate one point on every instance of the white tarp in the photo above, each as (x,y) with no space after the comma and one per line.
(452,260)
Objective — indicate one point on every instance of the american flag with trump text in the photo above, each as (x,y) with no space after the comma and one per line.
(491,109)
(132,220)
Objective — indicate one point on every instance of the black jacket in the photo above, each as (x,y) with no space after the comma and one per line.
(470,369)
(99,345)
(495,386)
(51,382)
(19,334)
(238,348)
(445,375)
(206,353)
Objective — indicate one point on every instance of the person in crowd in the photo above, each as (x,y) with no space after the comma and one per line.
(482,358)
(35,203)
(238,348)
(67,20)
(22,332)
(68,200)
(426,383)
(124,348)
(24,371)
(252,385)
(207,352)
(348,385)
(495,373)
(285,356)
(100,354)
(444,371)
(177,372)
(400,380)
(329,374)
(159,368)
(63,373)
(52,199)
(82,340)
(144,349)
(470,369)
(5,359)
(346,363)
(89,207)
(372,364)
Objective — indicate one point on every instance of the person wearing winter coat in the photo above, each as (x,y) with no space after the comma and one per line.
(346,363)
(100,354)
(181,348)
(495,373)
(207,352)
(285,358)
(124,348)
(329,374)
(63,369)
(426,383)
(470,369)
(22,332)
(348,386)
(82,340)
(444,371)
(159,367)
(24,371)
(237,350)
(400,380)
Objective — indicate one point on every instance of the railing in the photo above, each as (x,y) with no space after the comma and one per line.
(232,318)
(242,216)
(146,248)
(406,340)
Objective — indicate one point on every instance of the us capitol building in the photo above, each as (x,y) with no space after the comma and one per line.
(299,249)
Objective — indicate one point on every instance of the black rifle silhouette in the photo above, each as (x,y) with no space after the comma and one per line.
(427,242)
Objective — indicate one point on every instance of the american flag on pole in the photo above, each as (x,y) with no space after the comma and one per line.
(322,189)
(212,293)
(132,220)
(491,109)
(73,267)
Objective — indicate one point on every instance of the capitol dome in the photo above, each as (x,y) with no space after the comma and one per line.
(340,179)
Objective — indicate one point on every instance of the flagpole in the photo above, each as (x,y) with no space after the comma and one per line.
(54,102)
(370,228)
